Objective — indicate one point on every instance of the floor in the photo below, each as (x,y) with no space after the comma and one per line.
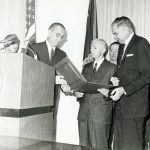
(18,143)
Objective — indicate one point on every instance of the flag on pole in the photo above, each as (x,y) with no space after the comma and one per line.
(30,34)
(91,27)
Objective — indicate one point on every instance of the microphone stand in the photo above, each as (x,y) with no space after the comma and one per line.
(29,49)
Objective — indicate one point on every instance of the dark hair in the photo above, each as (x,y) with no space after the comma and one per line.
(114,43)
(124,21)
(52,26)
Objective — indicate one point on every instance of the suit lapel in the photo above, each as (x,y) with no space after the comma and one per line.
(56,56)
(46,55)
(59,55)
(43,53)
(102,64)
(131,43)
(88,72)
(100,70)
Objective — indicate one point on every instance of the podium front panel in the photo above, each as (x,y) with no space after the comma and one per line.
(26,97)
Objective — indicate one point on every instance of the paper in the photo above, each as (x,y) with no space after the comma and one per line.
(75,79)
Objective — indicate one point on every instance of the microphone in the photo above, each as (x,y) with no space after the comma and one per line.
(25,50)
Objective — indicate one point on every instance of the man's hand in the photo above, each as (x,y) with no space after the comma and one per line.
(66,88)
(79,94)
(117,93)
(60,80)
(115,81)
(103,91)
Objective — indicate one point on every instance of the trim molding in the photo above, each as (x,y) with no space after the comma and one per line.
(18,113)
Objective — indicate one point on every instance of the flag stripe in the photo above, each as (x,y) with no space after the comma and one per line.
(30,21)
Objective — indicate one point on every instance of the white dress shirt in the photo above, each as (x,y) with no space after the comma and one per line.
(49,48)
(99,62)
(127,42)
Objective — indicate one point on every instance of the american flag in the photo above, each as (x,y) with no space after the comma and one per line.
(30,34)
(91,27)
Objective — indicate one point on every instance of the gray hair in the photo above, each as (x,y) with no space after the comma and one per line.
(54,25)
(124,21)
(105,45)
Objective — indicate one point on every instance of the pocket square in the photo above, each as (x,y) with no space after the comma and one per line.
(129,55)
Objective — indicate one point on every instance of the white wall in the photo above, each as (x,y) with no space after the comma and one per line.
(12,19)
(137,10)
(73,14)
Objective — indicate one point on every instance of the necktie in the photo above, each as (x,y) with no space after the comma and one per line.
(95,67)
(51,55)
(123,51)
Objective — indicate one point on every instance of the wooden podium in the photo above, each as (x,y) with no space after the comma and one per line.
(26,97)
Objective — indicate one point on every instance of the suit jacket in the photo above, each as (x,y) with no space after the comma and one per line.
(133,72)
(93,107)
(41,50)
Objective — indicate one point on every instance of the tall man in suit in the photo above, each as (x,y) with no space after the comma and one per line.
(133,72)
(95,113)
(49,53)
(147,129)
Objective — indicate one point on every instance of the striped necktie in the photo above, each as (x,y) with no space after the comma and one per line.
(95,67)
(123,51)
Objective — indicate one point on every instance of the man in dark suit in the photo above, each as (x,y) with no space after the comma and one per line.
(147,134)
(45,50)
(95,113)
(133,72)
(49,53)
(147,129)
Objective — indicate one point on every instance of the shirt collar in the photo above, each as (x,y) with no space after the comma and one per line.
(128,39)
(99,62)
(49,46)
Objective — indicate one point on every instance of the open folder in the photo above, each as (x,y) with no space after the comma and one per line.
(75,79)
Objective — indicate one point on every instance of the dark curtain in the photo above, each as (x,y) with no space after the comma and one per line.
(91,27)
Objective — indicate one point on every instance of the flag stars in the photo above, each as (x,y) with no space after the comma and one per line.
(30,16)
(30,1)
(29,8)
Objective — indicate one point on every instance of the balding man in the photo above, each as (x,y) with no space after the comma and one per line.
(49,52)
(95,113)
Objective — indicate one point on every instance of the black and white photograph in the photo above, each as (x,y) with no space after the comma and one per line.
(75,75)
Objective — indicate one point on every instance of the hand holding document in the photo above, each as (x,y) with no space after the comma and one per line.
(103,91)
(117,93)
(115,81)
(79,94)
(66,88)
(75,79)
(60,80)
